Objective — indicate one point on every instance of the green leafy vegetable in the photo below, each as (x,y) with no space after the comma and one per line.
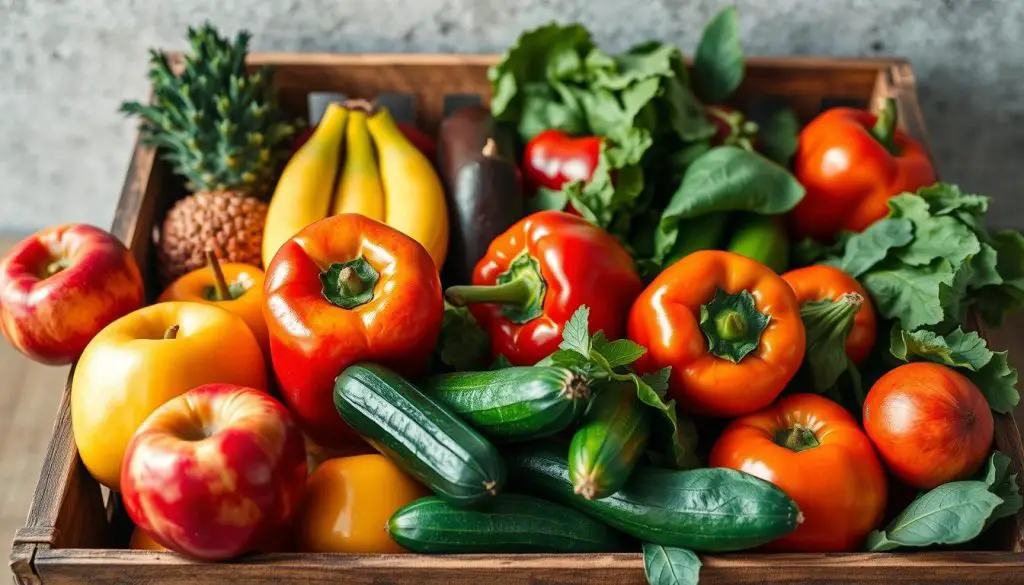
(665,565)
(728,178)
(909,293)
(866,249)
(778,137)
(952,513)
(718,66)
(463,344)
(998,382)
(600,359)
(955,512)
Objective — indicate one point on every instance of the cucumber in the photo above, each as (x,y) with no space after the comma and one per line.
(705,232)
(509,523)
(514,404)
(762,238)
(419,434)
(709,510)
(608,446)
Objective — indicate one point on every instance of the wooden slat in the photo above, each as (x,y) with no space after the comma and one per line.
(69,566)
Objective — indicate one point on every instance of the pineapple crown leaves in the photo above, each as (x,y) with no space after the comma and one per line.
(218,124)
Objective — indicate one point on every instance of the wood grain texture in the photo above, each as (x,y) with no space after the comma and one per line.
(69,566)
(62,540)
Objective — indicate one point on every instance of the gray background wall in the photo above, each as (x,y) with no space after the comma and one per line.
(65,65)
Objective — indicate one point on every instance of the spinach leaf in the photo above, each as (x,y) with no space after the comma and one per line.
(952,513)
(718,66)
(665,565)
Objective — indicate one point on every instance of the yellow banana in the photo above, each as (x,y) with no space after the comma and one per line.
(359,188)
(304,191)
(413,197)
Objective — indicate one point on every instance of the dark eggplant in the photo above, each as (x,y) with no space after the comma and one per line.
(483,188)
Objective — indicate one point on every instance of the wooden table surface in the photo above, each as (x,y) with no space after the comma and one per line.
(29,394)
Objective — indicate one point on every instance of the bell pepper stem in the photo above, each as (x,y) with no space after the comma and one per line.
(884,130)
(349,284)
(515,292)
(797,438)
(520,290)
(730,325)
(828,325)
(220,283)
(56,266)
(171,332)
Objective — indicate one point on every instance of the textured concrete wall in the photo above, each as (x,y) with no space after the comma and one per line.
(66,64)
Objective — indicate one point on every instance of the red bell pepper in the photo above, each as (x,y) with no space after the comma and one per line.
(347,289)
(553,158)
(851,162)
(536,274)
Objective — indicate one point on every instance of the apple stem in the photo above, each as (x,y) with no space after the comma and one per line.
(223,292)
(172,332)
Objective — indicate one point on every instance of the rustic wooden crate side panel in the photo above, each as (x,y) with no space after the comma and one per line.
(67,566)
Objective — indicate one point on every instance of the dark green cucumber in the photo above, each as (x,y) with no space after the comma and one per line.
(509,523)
(419,434)
(611,441)
(762,238)
(514,404)
(709,510)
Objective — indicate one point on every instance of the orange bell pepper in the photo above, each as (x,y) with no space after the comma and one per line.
(146,358)
(348,502)
(729,328)
(851,162)
(233,286)
(347,289)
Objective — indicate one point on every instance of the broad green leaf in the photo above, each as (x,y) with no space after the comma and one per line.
(997,380)
(952,513)
(729,178)
(945,198)
(778,136)
(685,113)
(463,344)
(718,66)
(680,452)
(956,349)
(934,236)
(575,335)
(996,474)
(670,566)
(909,293)
(658,380)
(620,352)
(984,268)
(865,250)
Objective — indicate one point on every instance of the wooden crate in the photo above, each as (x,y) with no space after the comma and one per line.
(75,535)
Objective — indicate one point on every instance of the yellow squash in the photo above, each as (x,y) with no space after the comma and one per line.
(413,196)
(359,188)
(305,189)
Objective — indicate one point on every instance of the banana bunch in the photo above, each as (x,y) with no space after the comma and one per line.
(382,176)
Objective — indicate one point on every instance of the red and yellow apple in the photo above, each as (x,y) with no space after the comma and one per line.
(60,286)
(215,473)
(145,359)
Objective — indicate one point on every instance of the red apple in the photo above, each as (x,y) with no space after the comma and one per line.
(60,286)
(215,473)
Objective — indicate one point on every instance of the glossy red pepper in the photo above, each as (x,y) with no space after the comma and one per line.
(553,158)
(851,162)
(536,274)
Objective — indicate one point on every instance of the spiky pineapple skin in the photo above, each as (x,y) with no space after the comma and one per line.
(218,125)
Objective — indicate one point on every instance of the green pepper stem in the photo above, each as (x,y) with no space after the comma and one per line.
(730,325)
(797,438)
(884,130)
(514,292)
(349,284)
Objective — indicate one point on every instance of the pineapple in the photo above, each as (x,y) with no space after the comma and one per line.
(217,125)
(220,129)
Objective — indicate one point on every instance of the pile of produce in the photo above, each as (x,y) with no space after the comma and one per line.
(668,328)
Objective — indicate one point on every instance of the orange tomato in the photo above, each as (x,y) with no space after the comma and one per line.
(930,424)
(131,368)
(816,452)
(245,285)
(348,503)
